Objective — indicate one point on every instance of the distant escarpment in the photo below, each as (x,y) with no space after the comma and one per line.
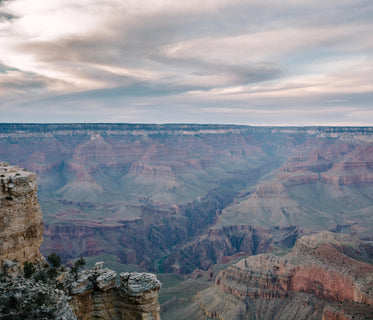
(32,289)
(326,276)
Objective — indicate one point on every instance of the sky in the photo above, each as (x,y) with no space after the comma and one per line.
(253,62)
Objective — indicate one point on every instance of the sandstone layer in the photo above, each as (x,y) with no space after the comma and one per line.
(327,276)
(21,226)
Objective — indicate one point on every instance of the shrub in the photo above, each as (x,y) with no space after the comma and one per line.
(77,265)
(52,273)
(54,260)
(41,276)
(28,269)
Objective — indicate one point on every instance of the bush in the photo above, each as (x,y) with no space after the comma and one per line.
(54,260)
(41,276)
(52,273)
(77,265)
(28,269)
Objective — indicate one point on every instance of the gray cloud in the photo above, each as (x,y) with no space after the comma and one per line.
(6,16)
(17,86)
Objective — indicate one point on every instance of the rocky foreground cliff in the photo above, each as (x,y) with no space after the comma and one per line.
(21,225)
(326,276)
(95,295)
(32,289)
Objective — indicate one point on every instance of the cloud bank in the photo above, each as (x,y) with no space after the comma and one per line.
(245,62)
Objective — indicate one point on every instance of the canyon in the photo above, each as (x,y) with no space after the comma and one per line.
(149,193)
(194,199)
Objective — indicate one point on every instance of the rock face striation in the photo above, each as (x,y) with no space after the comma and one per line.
(30,289)
(95,295)
(21,225)
(327,275)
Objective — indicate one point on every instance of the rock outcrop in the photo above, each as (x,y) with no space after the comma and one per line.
(95,295)
(23,298)
(21,226)
(326,275)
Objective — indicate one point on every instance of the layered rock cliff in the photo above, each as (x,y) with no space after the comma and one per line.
(327,276)
(21,226)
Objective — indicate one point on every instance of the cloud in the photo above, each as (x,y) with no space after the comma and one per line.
(17,86)
(4,16)
(185,61)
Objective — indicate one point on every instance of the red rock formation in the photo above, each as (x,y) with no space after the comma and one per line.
(334,315)
(322,265)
